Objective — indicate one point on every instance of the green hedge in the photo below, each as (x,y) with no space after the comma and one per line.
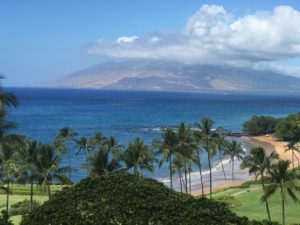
(125,199)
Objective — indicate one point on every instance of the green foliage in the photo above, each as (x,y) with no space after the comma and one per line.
(288,129)
(259,125)
(23,207)
(4,219)
(119,198)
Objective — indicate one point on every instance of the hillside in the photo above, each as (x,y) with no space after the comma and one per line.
(169,76)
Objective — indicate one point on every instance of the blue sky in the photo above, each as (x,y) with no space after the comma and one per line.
(44,39)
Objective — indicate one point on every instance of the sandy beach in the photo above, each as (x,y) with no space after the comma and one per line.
(270,143)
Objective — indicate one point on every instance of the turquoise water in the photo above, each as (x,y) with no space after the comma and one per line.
(127,115)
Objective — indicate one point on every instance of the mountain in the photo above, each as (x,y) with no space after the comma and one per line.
(171,76)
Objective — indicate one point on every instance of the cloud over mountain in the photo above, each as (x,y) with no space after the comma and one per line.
(215,36)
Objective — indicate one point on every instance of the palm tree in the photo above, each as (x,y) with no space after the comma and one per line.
(178,163)
(7,99)
(208,139)
(49,169)
(8,147)
(293,146)
(167,147)
(198,141)
(185,148)
(101,162)
(27,159)
(83,145)
(234,150)
(138,156)
(113,146)
(284,180)
(67,134)
(259,163)
(97,141)
(221,148)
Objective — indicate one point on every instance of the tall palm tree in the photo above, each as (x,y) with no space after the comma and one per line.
(101,162)
(8,148)
(198,140)
(234,150)
(178,163)
(259,163)
(83,145)
(67,134)
(185,148)
(27,159)
(293,146)
(49,169)
(113,146)
(137,156)
(285,181)
(97,141)
(208,139)
(221,148)
(167,148)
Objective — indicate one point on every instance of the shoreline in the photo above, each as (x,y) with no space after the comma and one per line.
(268,142)
(271,144)
(218,180)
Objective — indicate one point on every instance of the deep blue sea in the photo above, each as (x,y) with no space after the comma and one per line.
(129,114)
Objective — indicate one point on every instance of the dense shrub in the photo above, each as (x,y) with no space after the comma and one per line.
(259,125)
(288,129)
(4,219)
(125,199)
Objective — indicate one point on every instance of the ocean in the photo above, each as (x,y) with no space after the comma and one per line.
(130,114)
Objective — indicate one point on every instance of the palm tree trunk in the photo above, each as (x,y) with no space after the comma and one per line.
(210,175)
(190,180)
(134,170)
(180,177)
(49,191)
(31,194)
(170,168)
(142,172)
(283,209)
(185,177)
(7,196)
(200,171)
(223,168)
(69,154)
(293,159)
(232,169)
(264,190)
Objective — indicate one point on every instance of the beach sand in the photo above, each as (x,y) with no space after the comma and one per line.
(269,143)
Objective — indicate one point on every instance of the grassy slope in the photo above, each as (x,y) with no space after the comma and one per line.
(20,193)
(246,202)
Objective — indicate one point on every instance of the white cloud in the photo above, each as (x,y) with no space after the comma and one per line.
(213,35)
(127,39)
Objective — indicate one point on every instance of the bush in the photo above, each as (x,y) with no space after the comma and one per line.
(4,219)
(260,125)
(23,207)
(288,129)
(125,199)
